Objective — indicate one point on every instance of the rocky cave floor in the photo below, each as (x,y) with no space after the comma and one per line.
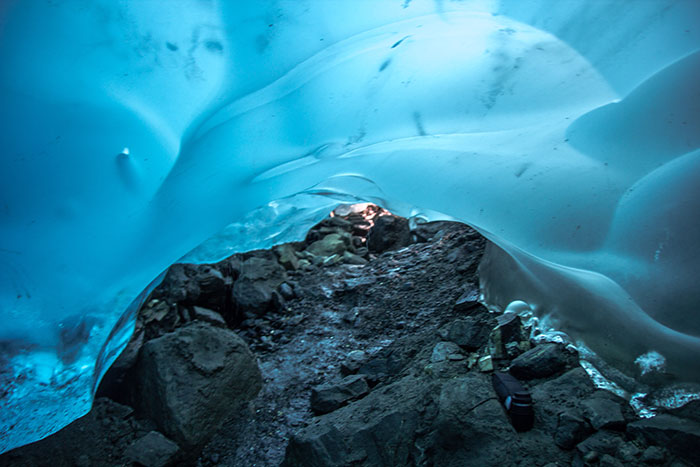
(372,351)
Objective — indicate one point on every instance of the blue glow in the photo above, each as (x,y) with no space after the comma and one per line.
(567,131)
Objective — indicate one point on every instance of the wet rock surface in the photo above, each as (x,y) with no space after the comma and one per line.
(363,345)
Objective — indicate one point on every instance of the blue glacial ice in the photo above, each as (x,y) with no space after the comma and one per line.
(567,131)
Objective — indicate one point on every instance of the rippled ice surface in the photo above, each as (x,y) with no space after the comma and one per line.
(565,131)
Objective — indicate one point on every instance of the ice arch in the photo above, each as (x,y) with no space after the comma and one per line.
(567,131)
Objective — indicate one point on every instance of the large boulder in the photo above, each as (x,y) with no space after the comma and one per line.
(469,333)
(388,233)
(471,418)
(379,429)
(679,434)
(192,379)
(543,361)
(254,293)
(331,244)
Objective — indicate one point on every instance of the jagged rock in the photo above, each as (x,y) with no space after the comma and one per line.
(208,316)
(571,429)
(468,301)
(485,364)
(508,338)
(469,333)
(470,418)
(353,361)
(152,450)
(678,434)
(254,291)
(601,442)
(379,429)
(329,225)
(195,284)
(287,256)
(603,412)
(653,455)
(555,396)
(329,397)
(318,446)
(155,310)
(191,380)
(388,233)
(262,268)
(543,361)
(254,297)
(446,351)
(212,287)
(466,256)
(691,410)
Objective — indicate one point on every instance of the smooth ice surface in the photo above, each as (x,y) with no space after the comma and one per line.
(132,131)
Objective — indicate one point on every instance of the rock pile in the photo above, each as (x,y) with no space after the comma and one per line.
(369,347)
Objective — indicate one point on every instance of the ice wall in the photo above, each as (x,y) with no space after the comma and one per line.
(566,131)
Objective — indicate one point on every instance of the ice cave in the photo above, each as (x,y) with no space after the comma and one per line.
(139,133)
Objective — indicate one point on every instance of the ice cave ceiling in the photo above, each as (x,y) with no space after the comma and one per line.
(567,131)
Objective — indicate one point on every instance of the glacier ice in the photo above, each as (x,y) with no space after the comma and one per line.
(566,131)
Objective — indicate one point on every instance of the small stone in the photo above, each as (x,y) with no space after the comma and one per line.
(353,361)
(609,461)
(628,452)
(485,364)
(602,442)
(209,316)
(653,455)
(590,457)
(286,291)
(329,397)
(152,450)
(443,350)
